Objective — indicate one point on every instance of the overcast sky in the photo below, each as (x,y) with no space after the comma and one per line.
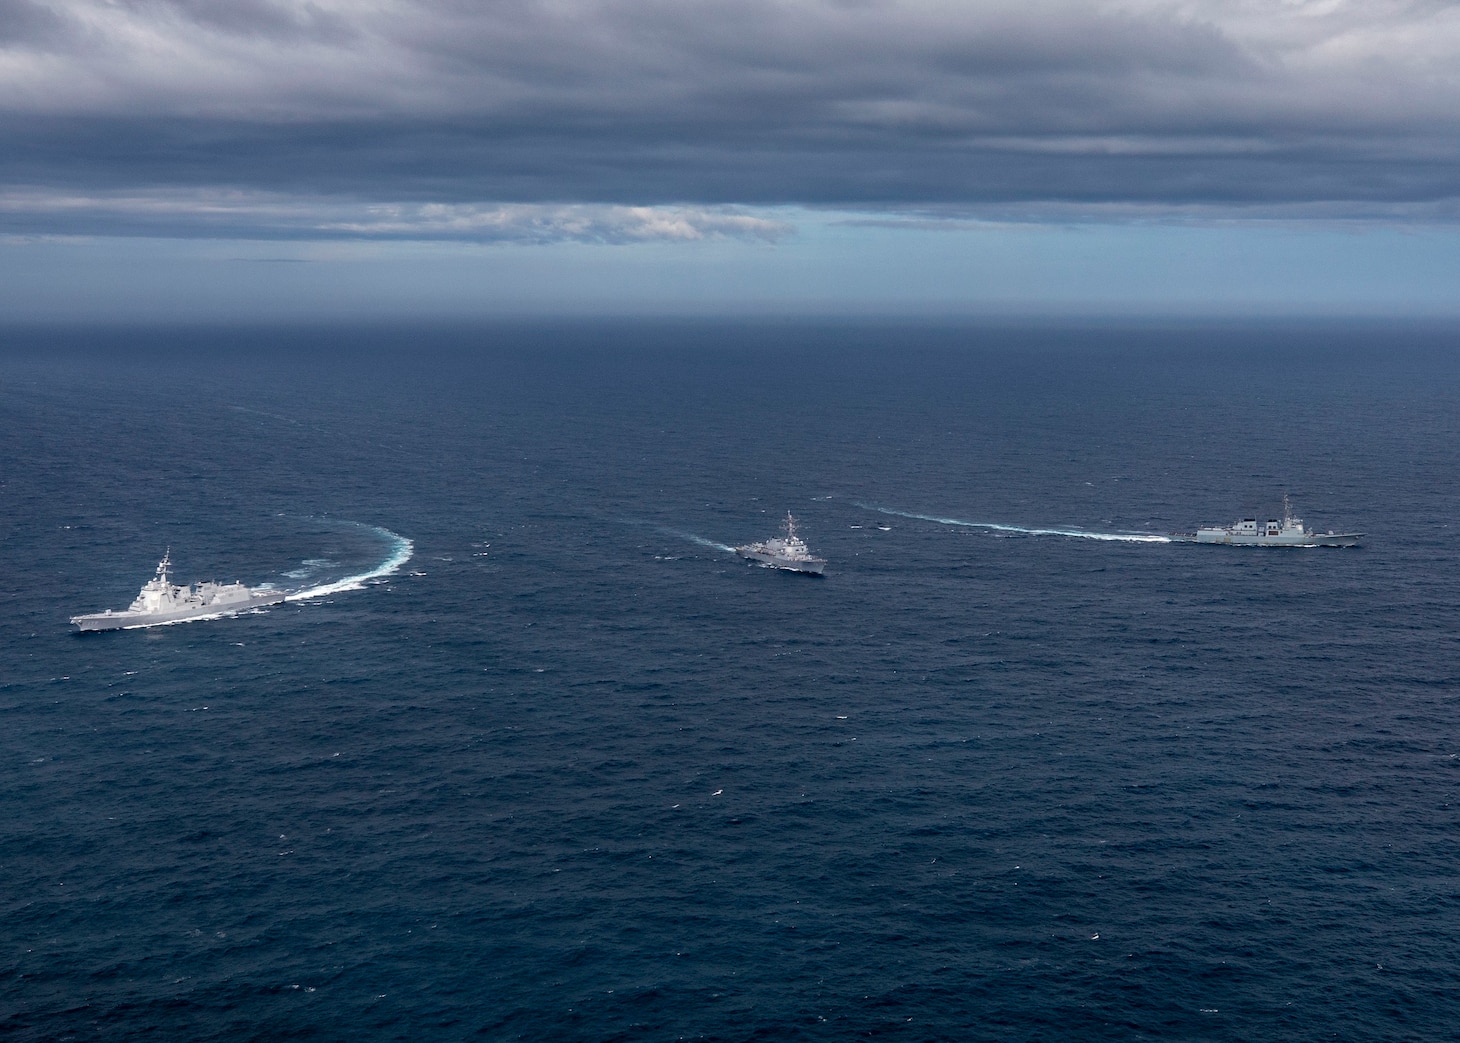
(168,156)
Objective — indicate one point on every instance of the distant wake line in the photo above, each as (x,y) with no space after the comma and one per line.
(679,534)
(699,539)
(401,552)
(1114,537)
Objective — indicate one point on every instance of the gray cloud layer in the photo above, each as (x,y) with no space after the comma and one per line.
(1056,106)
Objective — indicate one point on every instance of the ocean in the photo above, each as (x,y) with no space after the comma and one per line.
(531,756)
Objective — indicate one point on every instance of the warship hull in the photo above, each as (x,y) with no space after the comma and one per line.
(811,566)
(786,552)
(128,620)
(1312,539)
(1287,531)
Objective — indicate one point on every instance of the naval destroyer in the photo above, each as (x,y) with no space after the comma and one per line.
(162,601)
(1287,531)
(784,552)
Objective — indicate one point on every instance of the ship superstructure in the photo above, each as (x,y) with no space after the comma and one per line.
(162,601)
(1287,531)
(787,551)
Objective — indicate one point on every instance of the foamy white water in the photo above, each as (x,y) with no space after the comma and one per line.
(399,555)
(1080,534)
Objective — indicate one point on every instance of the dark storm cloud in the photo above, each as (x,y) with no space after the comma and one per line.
(1249,105)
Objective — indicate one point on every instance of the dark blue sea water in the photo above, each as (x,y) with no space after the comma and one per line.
(573,772)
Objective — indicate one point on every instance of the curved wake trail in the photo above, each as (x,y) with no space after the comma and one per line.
(1113,537)
(401,552)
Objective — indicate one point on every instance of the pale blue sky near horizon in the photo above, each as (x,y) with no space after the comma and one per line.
(829,265)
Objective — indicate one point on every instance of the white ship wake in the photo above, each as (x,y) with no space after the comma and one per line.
(401,551)
(1079,534)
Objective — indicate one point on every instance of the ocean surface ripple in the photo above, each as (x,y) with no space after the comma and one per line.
(549,775)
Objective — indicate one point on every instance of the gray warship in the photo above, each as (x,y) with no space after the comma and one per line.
(784,552)
(162,601)
(1285,532)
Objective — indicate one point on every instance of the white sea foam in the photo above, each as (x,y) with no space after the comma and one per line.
(401,552)
(309,565)
(1081,534)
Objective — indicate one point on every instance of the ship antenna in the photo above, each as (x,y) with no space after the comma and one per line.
(164,563)
(1287,509)
(790,526)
